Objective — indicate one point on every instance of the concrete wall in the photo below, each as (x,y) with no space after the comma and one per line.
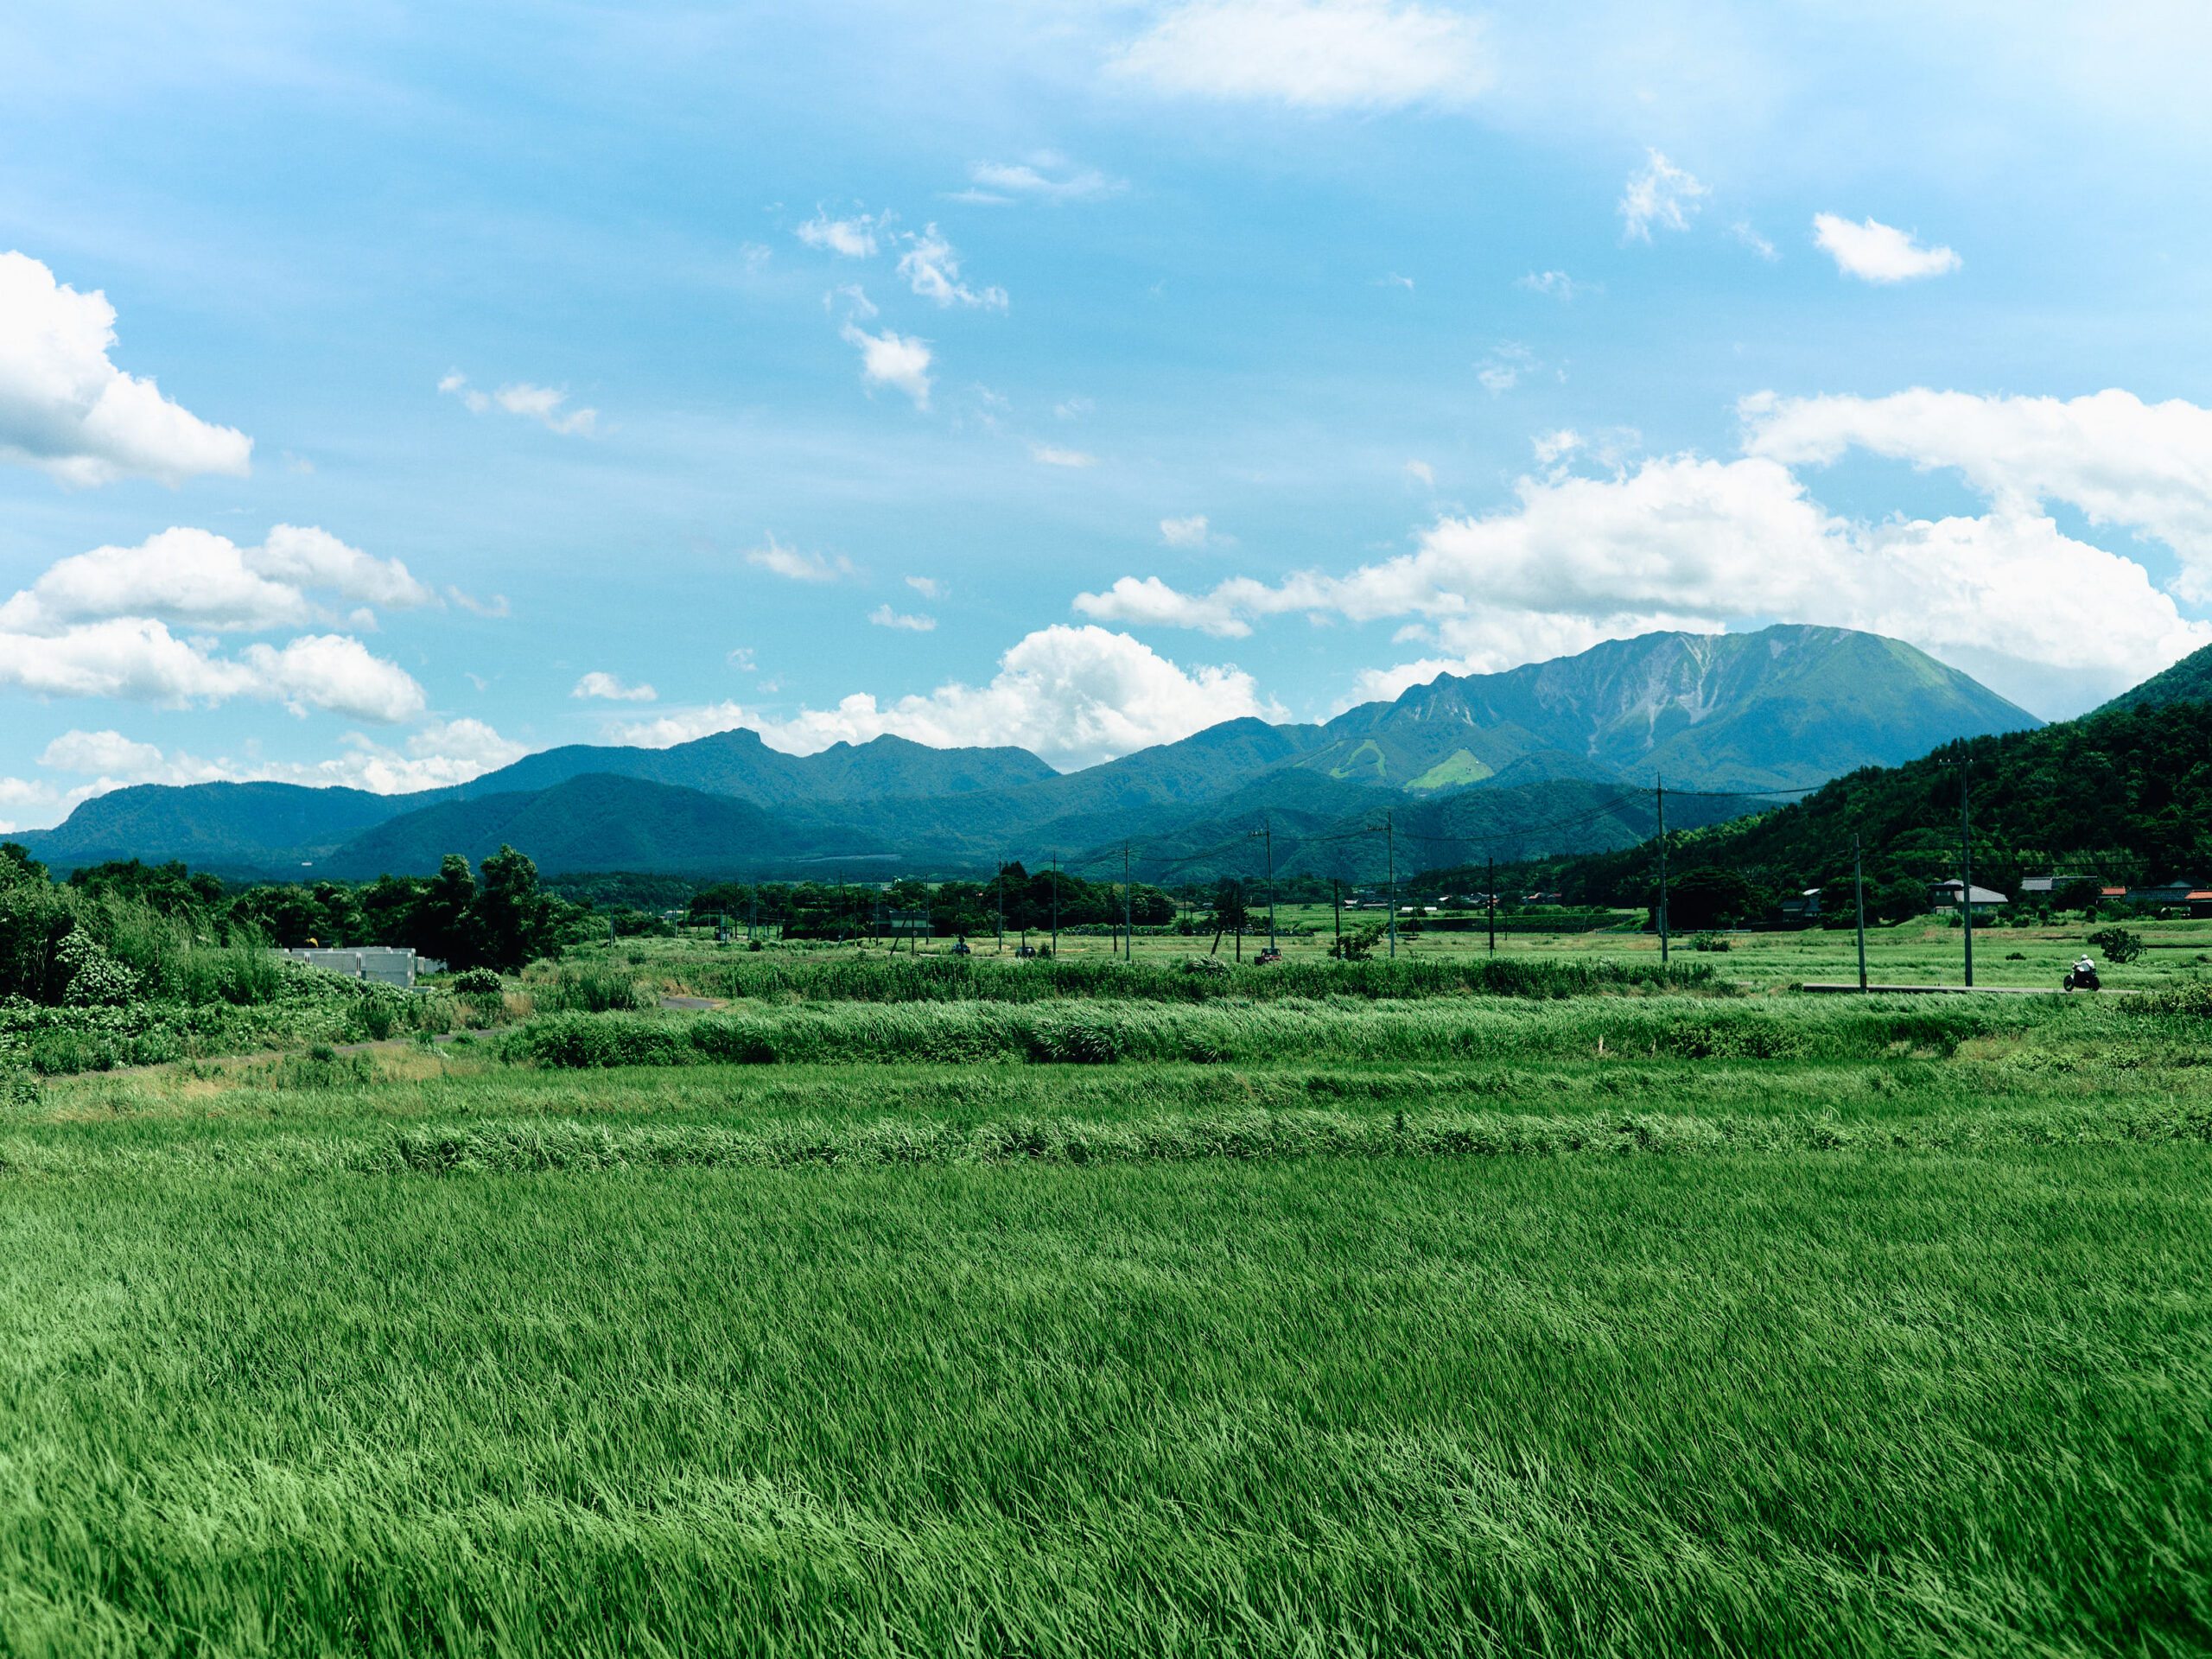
(386,964)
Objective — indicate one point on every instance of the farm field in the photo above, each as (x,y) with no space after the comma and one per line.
(1633,1323)
(1916,952)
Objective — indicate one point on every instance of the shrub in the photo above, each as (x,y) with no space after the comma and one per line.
(1706,941)
(96,978)
(476,983)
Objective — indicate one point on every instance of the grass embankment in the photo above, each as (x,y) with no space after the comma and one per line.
(1890,1335)
(876,976)
(1333,1032)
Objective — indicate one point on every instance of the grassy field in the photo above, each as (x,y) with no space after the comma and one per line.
(1881,1329)
(1917,952)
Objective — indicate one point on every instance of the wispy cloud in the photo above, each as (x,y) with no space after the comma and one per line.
(1051,455)
(540,404)
(1557,285)
(1314,53)
(884,617)
(495,607)
(789,562)
(610,687)
(1045,176)
(1743,232)
(1659,194)
(1501,370)
(927,587)
(932,268)
(1184,532)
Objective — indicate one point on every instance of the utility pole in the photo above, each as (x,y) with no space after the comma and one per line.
(1336,899)
(999,888)
(1659,784)
(1966,861)
(1267,831)
(1056,907)
(1859,890)
(1493,890)
(1128,939)
(1390,846)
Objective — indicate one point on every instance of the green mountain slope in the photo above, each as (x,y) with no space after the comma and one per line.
(2188,681)
(738,763)
(1785,706)
(246,829)
(596,821)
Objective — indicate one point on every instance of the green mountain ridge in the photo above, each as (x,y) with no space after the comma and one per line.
(1786,706)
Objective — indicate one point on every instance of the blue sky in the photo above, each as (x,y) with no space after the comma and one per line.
(1061,375)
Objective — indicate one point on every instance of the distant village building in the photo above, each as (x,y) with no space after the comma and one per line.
(1944,895)
(1805,908)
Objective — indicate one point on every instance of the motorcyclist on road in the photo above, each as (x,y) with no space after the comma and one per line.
(2083,976)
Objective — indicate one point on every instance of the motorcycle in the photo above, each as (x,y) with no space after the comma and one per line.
(2083,977)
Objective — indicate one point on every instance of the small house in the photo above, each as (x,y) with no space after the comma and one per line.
(1944,895)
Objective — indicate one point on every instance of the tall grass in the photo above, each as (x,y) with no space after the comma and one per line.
(1600,1406)
(1080,1033)
(847,977)
(594,985)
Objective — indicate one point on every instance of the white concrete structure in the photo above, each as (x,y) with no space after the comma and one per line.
(387,965)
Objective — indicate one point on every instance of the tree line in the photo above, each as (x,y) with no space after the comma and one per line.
(2119,798)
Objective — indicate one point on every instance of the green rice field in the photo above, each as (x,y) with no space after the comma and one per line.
(1632,1319)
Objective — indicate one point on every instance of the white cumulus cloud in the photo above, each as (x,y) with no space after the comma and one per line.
(1686,542)
(201,580)
(2147,466)
(1875,252)
(1073,696)
(66,409)
(854,238)
(599,684)
(892,359)
(1320,54)
(1660,194)
(438,754)
(97,624)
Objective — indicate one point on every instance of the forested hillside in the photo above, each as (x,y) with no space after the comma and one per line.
(2125,796)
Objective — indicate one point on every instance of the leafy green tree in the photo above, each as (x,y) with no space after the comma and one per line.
(511,922)
(1711,898)
(1231,913)
(442,917)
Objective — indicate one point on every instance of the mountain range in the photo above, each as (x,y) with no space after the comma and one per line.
(1515,763)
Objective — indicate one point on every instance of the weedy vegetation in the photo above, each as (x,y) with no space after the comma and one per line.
(965,1309)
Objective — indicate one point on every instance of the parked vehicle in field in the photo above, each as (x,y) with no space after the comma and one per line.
(2083,976)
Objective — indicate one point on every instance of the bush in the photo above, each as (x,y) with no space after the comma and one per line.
(1706,941)
(96,979)
(475,984)
(2120,945)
